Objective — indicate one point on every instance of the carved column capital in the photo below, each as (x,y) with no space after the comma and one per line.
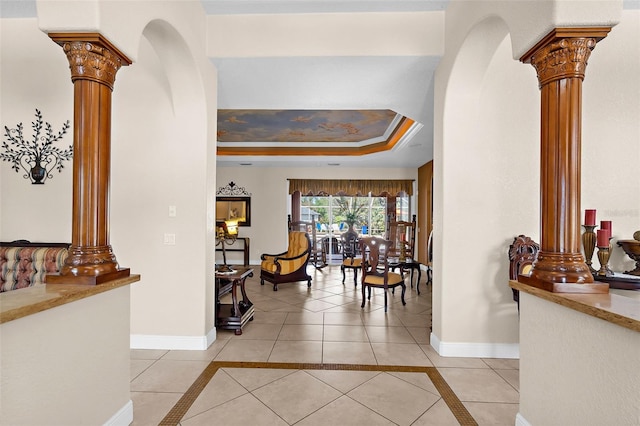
(91,57)
(566,58)
(563,53)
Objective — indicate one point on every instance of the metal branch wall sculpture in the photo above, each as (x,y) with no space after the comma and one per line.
(38,157)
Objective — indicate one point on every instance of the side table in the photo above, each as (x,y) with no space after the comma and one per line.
(233,316)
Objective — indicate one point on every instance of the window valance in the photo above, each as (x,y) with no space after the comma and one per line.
(351,187)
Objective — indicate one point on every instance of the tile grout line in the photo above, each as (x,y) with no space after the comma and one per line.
(177,412)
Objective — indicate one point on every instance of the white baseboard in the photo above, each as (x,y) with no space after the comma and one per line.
(123,417)
(211,336)
(475,350)
(187,343)
(521,421)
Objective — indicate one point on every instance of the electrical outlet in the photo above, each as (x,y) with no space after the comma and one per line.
(170,239)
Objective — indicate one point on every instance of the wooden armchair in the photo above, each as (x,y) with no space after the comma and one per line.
(522,253)
(289,266)
(318,254)
(375,268)
(350,256)
(330,246)
(402,233)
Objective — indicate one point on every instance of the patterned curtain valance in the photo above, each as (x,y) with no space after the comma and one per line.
(351,187)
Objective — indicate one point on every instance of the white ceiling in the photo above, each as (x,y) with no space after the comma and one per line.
(400,83)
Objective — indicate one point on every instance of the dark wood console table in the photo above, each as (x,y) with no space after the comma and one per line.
(245,248)
(233,316)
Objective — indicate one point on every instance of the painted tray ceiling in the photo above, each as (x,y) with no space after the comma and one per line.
(298,127)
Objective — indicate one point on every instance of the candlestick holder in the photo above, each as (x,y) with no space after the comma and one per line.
(589,245)
(603,257)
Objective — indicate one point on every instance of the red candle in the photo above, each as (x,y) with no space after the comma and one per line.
(606,224)
(590,217)
(603,237)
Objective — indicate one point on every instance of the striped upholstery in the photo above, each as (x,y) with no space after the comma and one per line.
(22,267)
(289,262)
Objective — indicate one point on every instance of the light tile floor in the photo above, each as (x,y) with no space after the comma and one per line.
(325,325)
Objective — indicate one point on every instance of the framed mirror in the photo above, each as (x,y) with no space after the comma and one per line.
(234,208)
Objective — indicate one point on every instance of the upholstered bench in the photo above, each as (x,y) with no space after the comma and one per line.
(25,264)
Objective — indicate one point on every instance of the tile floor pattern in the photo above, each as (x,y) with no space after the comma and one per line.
(297,339)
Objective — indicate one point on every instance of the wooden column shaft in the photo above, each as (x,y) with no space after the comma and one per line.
(560,169)
(92,163)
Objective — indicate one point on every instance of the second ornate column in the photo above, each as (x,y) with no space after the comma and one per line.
(560,60)
(93,62)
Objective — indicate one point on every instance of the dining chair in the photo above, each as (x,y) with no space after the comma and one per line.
(350,259)
(403,243)
(376,271)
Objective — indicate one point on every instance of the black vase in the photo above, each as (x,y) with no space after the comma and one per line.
(352,231)
(37,174)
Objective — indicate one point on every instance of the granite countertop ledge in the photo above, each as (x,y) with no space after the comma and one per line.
(616,309)
(20,303)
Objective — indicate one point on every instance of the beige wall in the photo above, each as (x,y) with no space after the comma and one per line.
(35,74)
(68,365)
(486,186)
(161,158)
(569,377)
(326,34)
(611,133)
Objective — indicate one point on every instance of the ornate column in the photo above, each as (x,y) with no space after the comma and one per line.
(94,62)
(560,60)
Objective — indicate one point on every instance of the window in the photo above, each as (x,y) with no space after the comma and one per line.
(402,208)
(334,214)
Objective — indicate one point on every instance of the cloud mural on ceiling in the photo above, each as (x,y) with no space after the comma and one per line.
(257,125)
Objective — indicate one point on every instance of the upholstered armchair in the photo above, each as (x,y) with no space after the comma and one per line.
(289,266)
(318,254)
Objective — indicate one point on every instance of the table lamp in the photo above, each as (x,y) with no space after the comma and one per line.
(226,234)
